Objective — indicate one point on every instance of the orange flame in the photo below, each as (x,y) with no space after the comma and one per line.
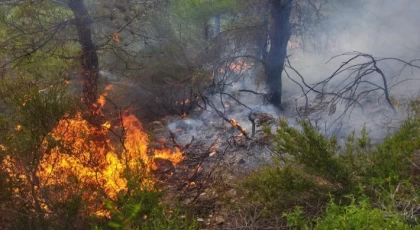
(116,37)
(82,158)
(237,67)
(236,125)
(174,157)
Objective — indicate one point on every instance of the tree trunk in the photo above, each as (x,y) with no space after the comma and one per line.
(263,40)
(206,30)
(280,35)
(88,59)
(216,30)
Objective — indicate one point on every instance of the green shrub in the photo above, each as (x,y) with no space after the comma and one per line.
(312,150)
(393,155)
(279,187)
(144,210)
(359,215)
(309,166)
(141,207)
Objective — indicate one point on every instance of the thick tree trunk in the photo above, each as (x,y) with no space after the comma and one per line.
(88,59)
(280,35)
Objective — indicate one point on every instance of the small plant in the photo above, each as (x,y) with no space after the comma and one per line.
(296,219)
(144,211)
(356,215)
(280,187)
(141,208)
(310,149)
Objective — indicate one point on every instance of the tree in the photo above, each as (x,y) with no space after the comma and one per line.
(88,59)
(261,30)
(280,35)
(48,14)
(53,29)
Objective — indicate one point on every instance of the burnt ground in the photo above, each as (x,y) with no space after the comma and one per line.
(216,156)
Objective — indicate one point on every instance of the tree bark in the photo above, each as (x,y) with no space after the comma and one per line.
(206,30)
(263,40)
(88,59)
(216,30)
(280,35)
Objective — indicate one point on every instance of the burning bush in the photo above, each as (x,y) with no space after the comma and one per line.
(57,164)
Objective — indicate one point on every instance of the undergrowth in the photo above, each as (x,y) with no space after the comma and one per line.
(25,126)
(314,183)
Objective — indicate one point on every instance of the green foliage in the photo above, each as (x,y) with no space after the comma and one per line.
(309,165)
(147,213)
(385,163)
(30,115)
(142,209)
(35,38)
(296,219)
(359,216)
(356,215)
(202,10)
(311,149)
(191,19)
(393,155)
(279,187)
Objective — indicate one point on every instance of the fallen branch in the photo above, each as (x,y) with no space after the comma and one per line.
(230,121)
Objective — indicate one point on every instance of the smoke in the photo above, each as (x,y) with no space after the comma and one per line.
(382,28)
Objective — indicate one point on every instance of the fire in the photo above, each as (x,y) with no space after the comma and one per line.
(88,161)
(293,44)
(109,87)
(83,159)
(186,102)
(236,125)
(174,157)
(107,125)
(216,145)
(116,37)
(237,67)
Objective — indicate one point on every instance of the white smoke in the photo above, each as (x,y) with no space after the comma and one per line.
(383,28)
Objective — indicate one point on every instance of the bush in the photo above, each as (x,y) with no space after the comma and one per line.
(141,208)
(316,153)
(359,215)
(279,188)
(393,155)
(309,169)
(65,203)
(146,214)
